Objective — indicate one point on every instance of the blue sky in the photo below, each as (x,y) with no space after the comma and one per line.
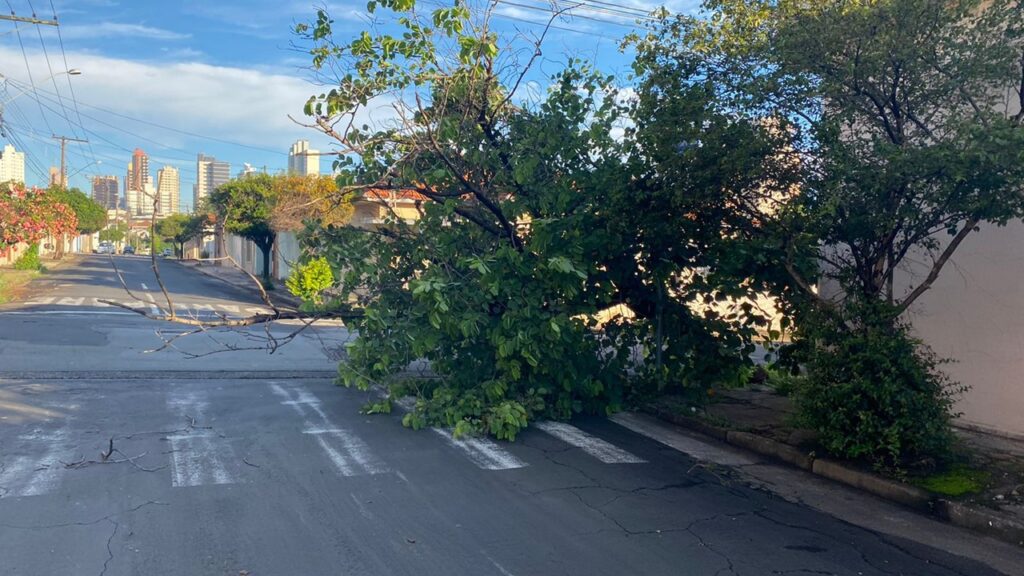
(213,77)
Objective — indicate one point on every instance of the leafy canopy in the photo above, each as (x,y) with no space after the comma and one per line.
(513,224)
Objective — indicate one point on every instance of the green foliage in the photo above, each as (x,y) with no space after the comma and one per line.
(957,481)
(114,233)
(892,117)
(722,179)
(309,280)
(29,259)
(534,220)
(246,207)
(875,393)
(92,217)
(180,228)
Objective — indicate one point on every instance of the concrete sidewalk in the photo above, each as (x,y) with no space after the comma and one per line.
(759,420)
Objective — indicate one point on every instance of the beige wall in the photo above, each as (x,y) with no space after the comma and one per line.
(974,314)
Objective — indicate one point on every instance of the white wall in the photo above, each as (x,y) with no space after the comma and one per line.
(974,314)
(250,258)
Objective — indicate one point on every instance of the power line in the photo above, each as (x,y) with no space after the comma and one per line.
(172,129)
(621,7)
(614,11)
(553,26)
(71,86)
(32,82)
(118,128)
(550,10)
(53,77)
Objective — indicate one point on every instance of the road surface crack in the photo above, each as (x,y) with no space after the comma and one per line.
(110,552)
(89,523)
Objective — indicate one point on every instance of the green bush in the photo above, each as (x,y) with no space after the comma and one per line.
(29,260)
(876,393)
(309,280)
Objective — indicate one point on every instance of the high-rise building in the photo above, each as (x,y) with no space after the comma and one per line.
(138,171)
(54,176)
(302,160)
(168,188)
(105,191)
(136,193)
(12,165)
(210,173)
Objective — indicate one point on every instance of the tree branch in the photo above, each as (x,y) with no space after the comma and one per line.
(937,266)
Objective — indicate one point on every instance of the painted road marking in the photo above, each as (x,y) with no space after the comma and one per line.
(483,452)
(596,447)
(197,457)
(144,287)
(153,307)
(69,313)
(34,476)
(40,301)
(349,454)
(669,437)
(197,309)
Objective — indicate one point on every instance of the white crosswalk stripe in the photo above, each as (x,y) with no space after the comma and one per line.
(349,454)
(483,452)
(198,457)
(596,447)
(199,309)
(37,475)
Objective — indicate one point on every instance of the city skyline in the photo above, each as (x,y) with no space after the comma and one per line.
(142,177)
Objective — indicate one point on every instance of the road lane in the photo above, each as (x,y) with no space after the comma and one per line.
(281,507)
(257,463)
(63,326)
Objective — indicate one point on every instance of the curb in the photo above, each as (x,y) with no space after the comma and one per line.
(285,298)
(955,513)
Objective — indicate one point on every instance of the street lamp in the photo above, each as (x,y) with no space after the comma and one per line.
(70,72)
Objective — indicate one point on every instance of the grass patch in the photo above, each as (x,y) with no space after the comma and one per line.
(956,482)
(12,281)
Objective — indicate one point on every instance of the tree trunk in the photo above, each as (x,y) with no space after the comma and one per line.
(265,248)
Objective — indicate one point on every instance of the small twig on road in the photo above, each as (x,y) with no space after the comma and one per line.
(106,455)
(190,426)
(127,459)
(250,463)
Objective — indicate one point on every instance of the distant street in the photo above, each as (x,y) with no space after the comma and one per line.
(257,464)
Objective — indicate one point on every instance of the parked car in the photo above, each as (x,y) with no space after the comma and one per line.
(128,250)
(105,248)
(167,253)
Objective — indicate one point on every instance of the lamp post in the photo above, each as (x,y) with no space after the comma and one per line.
(71,72)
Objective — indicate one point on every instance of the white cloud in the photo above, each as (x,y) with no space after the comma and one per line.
(119,30)
(248,106)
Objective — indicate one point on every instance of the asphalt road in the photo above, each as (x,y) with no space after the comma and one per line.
(250,463)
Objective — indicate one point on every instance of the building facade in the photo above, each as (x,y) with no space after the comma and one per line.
(105,191)
(138,186)
(302,160)
(210,173)
(168,189)
(12,165)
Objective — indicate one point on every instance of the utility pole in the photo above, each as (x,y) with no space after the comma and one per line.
(32,20)
(63,165)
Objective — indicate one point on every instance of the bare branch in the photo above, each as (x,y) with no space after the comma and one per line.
(937,265)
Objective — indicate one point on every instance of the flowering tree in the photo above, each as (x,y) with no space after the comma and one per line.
(29,214)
